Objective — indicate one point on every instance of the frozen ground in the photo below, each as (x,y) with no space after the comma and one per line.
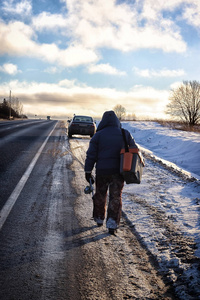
(165,208)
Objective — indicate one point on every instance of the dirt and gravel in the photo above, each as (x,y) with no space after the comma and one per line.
(52,249)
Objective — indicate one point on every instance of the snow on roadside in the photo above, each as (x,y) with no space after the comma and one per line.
(179,147)
(181,200)
(164,209)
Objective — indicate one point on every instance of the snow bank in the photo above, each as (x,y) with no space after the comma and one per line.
(179,147)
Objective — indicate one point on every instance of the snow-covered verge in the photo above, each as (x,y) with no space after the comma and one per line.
(165,208)
(179,147)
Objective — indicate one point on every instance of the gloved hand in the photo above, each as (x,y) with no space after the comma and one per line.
(89,176)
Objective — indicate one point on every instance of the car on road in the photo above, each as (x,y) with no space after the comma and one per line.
(83,125)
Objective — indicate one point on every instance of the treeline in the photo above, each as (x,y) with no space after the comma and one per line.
(11,110)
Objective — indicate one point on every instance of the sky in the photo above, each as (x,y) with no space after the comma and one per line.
(65,57)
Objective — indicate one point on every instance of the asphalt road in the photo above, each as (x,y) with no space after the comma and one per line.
(19,142)
(27,236)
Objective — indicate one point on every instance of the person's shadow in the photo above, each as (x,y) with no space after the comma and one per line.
(81,236)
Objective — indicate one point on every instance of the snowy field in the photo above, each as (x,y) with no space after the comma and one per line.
(165,208)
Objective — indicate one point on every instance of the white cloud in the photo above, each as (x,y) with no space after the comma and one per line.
(10,69)
(22,8)
(106,69)
(66,83)
(25,45)
(159,73)
(48,21)
(76,55)
(16,38)
(192,14)
(91,25)
(152,10)
(102,23)
(189,10)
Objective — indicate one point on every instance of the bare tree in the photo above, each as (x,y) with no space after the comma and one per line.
(131,117)
(120,111)
(20,108)
(11,107)
(185,102)
(17,106)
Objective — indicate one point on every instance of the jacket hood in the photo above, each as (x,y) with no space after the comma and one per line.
(109,119)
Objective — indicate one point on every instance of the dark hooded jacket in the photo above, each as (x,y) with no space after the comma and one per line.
(105,146)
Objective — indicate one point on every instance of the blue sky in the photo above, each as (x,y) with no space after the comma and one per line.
(61,57)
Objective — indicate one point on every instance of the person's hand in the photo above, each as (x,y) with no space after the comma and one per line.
(89,176)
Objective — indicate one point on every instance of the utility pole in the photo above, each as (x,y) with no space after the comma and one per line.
(10,107)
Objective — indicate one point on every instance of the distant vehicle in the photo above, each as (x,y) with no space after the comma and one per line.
(48,118)
(83,125)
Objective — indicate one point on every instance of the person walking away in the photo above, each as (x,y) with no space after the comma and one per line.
(104,153)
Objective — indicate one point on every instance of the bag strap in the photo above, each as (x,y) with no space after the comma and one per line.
(125,141)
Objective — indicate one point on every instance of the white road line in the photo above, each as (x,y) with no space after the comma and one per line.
(15,194)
